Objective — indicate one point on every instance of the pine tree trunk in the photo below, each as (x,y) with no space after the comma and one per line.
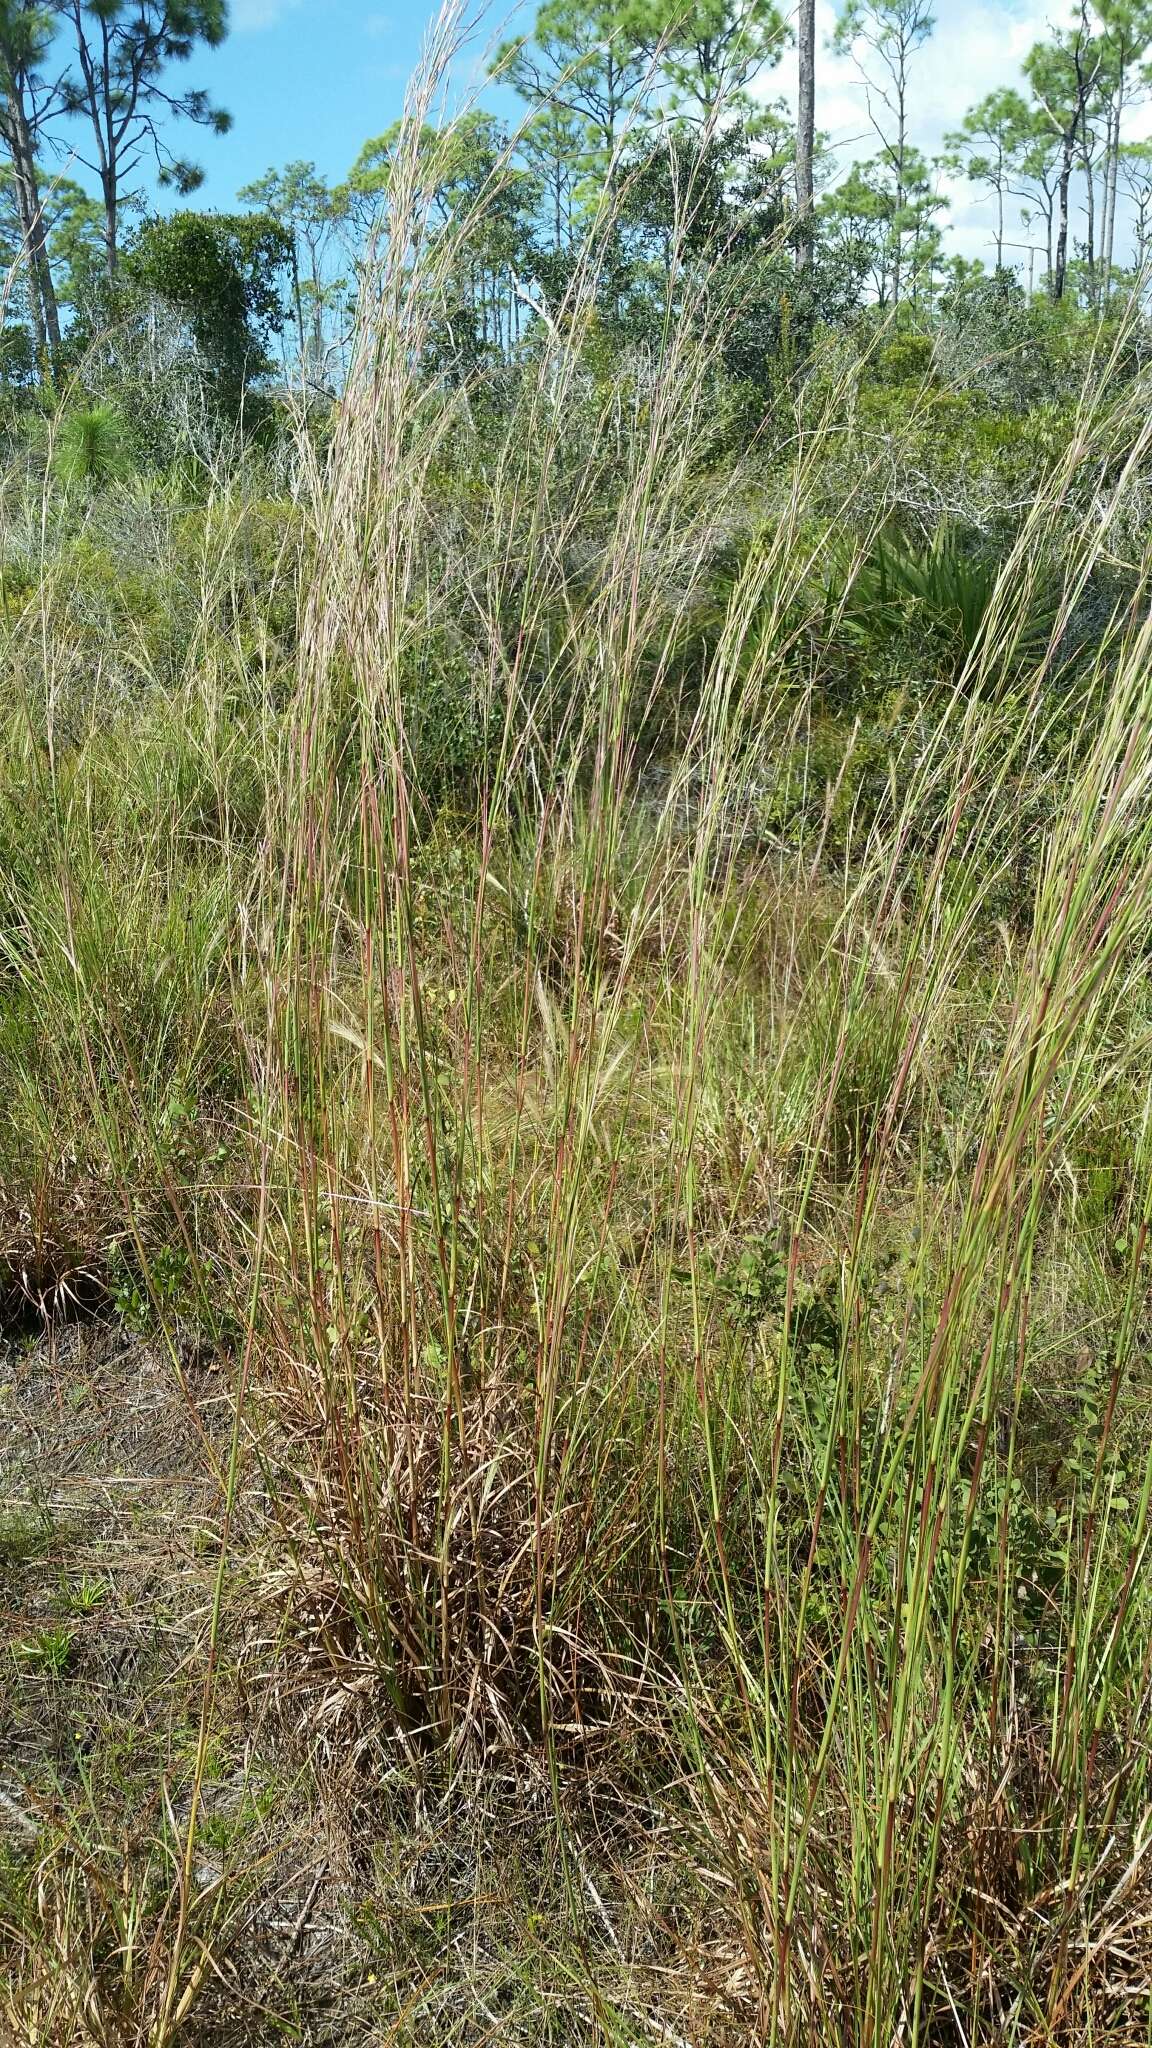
(111,223)
(298,307)
(1112,176)
(35,303)
(901,158)
(805,130)
(44,310)
(1060,263)
(317,322)
(1090,248)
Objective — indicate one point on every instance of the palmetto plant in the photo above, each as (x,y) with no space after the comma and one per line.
(942,591)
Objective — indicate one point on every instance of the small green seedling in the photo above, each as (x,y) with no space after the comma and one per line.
(48,1650)
(85,1598)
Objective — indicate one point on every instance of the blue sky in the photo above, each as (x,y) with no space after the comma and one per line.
(302,78)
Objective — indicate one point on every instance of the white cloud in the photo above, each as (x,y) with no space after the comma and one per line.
(253,14)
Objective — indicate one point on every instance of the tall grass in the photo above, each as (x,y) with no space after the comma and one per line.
(683,1269)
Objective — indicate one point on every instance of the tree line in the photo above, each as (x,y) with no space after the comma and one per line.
(639,100)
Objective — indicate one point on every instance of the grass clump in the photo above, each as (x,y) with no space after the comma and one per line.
(25,1533)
